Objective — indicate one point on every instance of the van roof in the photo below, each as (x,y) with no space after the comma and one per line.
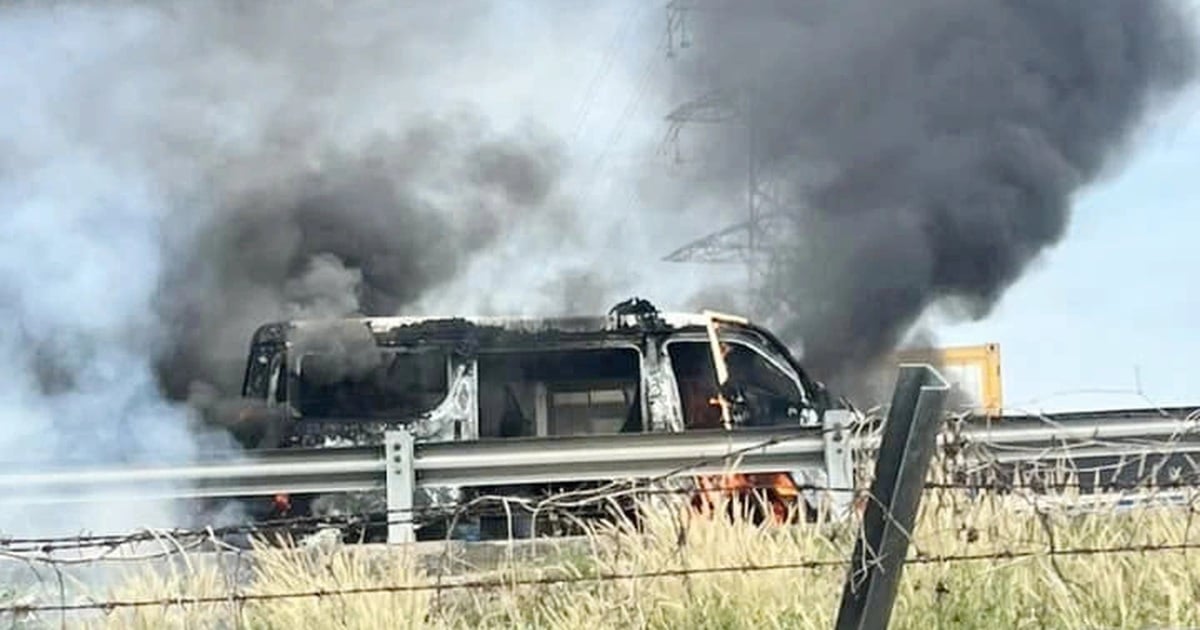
(522,323)
(434,326)
(629,317)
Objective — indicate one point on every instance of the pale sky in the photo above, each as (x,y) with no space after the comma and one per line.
(1113,304)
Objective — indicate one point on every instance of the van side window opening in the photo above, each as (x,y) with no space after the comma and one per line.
(263,359)
(561,392)
(749,368)
(400,385)
(773,397)
(277,383)
(696,377)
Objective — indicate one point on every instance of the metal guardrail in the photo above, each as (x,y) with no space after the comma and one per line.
(1066,430)
(1085,443)
(583,458)
(616,456)
(309,471)
(1049,429)
(590,458)
(479,463)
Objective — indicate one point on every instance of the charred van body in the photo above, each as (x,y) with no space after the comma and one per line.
(346,382)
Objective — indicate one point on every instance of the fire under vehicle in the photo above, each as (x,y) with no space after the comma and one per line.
(345,382)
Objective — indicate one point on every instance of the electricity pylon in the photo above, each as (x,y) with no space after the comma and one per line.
(749,242)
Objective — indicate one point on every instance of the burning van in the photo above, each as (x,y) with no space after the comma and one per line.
(345,382)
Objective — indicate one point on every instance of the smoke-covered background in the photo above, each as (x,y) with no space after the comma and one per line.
(174,174)
(923,151)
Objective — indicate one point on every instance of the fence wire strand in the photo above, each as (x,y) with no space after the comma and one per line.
(242,598)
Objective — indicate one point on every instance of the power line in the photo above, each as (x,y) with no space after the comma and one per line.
(619,36)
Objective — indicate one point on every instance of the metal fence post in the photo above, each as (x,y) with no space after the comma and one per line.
(908,443)
(401,485)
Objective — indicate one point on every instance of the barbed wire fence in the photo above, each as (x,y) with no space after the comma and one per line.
(959,491)
(238,596)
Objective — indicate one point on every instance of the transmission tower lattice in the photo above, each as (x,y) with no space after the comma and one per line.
(752,241)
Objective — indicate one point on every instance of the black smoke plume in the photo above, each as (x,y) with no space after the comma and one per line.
(310,221)
(355,234)
(922,150)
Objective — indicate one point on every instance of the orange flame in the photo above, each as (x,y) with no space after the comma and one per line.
(781,491)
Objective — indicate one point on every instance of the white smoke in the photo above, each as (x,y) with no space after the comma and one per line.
(134,133)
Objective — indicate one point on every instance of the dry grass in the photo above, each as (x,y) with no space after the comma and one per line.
(1157,589)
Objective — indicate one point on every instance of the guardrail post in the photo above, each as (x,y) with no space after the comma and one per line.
(401,485)
(908,444)
(839,462)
